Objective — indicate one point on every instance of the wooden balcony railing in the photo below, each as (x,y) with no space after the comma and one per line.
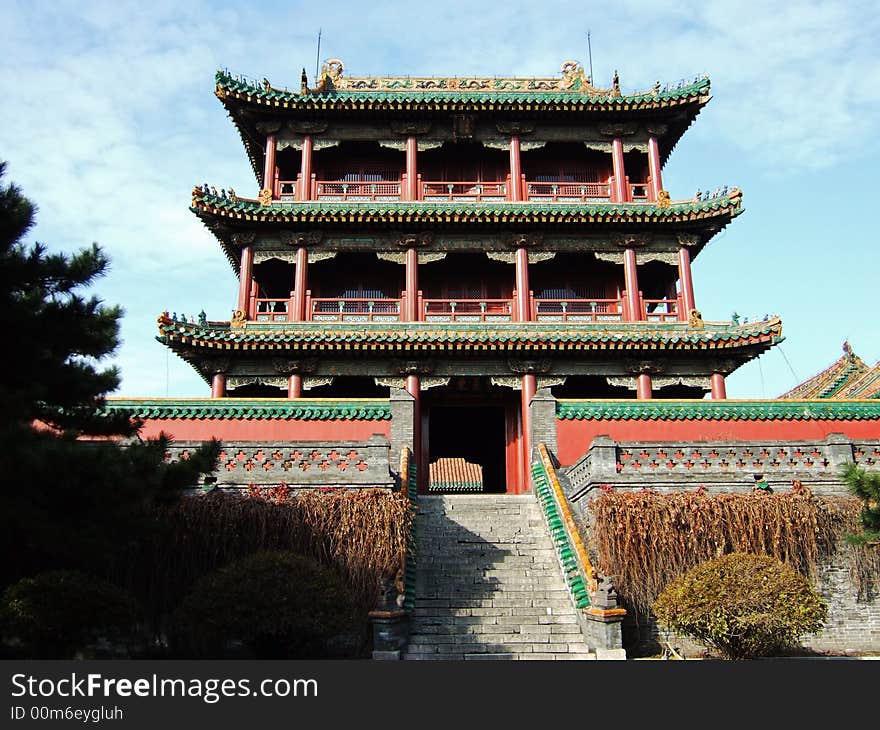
(661,310)
(467,310)
(438,191)
(638,192)
(564,192)
(354,191)
(578,310)
(354,310)
(271,310)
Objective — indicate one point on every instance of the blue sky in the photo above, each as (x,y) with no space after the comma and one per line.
(108,119)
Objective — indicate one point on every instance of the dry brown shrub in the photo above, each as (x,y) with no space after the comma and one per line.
(361,533)
(645,539)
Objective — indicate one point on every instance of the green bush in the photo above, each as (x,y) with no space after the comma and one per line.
(742,605)
(274,604)
(57,614)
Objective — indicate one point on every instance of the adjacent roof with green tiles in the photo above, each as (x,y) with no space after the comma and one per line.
(721,410)
(429,336)
(352,409)
(849,377)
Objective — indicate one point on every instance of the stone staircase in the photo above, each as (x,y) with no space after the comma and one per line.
(488,583)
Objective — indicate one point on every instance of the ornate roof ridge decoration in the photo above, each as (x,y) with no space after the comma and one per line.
(720,410)
(848,377)
(572,86)
(573,79)
(248,210)
(253,409)
(216,337)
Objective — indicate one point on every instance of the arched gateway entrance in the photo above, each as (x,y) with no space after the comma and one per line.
(471,438)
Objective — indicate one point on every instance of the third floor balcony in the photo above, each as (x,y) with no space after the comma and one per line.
(553,173)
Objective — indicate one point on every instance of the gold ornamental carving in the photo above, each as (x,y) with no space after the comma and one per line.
(573,80)
(663,199)
(239,320)
(265,197)
(695,319)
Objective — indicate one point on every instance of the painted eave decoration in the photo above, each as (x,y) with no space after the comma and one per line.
(455,337)
(721,208)
(718,410)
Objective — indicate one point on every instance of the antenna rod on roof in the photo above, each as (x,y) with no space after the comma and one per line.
(590,56)
(318,56)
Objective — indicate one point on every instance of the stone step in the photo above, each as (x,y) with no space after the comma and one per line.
(488,584)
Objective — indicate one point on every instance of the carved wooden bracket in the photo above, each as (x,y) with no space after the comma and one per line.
(244,238)
(270,126)
(291,367)
(414,367)
(526,240)
(415,128)
(514,128)
(620,129)
(307,127)
(300,239)
(413,240)
(530,367)
(631,240)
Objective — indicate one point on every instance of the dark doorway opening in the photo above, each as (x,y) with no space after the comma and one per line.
(473,433)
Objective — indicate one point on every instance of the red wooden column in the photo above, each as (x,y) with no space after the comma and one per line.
(300,283)
(414,389)
(631,281)
(619,191)
(523,305)
(294,386)
(654,168)
(529,387)
(719,389)
(643,387)
(687,283)
(269,165)
(245,277)
(305,170)
(412,313)
(516,191)
(218,385)
(411,192)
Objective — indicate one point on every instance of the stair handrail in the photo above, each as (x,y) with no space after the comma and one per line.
(580,575)
(409,487)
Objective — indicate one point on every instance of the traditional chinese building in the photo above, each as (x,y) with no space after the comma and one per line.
(471,284)
(470,240)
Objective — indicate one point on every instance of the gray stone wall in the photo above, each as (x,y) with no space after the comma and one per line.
(305,464)
(853,624)
(720,466)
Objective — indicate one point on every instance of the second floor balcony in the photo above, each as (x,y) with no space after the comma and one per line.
(439,191)
(542,309)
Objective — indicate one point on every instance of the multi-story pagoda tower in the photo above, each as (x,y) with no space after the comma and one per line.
(473,241)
